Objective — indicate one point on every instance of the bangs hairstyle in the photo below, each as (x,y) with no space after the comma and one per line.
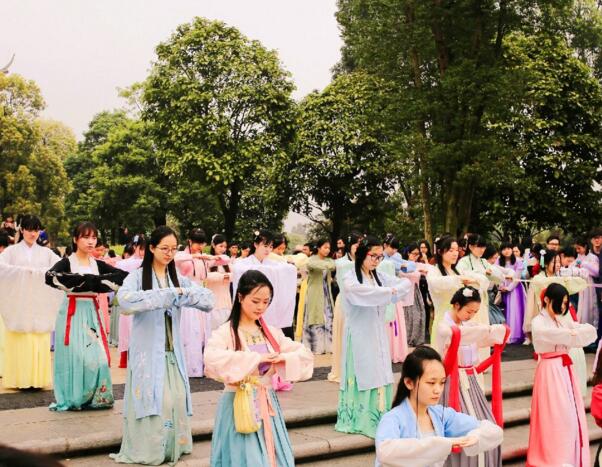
(413,369)
(249,281)
(319,244)
(216,240)
(147,263)
(429,253)
(475,240)
(581,241)
(503,260)
(405,254)
(360,255)
(556,293)
(352,239)
(30,222)
(490,252)
(280,239)
(262,236)
(465,295)
(197,235)
(444,244)
(83,229)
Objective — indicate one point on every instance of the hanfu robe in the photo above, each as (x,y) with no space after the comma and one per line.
(558,433)
(195,327)
(29,309)
(515,302)
(367,376)
(473,336)
(125,321)
(587,308)
(82,378)
(318,317)
(270,446)
(158,405)
(414,310)
(343,265)
(399,442)
(218,281)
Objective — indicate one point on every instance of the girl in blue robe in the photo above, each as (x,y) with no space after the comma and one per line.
(417,431)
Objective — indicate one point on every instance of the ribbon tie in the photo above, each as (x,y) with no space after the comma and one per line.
(72,307)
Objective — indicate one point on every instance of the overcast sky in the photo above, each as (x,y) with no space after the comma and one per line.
(80,51)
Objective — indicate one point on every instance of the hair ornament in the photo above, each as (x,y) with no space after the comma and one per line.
(135,239)
(467,292)
(213,237)
(542,262)
(256,233)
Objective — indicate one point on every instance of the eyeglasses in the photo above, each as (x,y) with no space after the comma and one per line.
(376,257)
(166,250)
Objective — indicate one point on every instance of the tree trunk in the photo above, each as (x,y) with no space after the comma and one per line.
(229,203)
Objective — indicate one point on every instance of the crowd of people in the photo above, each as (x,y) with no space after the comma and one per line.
(253,315)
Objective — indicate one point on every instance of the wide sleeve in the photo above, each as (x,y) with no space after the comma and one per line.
(439,284)
(60,277)
(195,296)
(394,451)
(316,264)
(365,295)
(402,286)
(457,424)
(109,278)
(133,300)
(215,277)
(489,436)
(580,335)
(298,362)
(480,334)
(223,363)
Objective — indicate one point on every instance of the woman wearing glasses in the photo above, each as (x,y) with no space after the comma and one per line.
(82,379)
(156,427)
(366,391)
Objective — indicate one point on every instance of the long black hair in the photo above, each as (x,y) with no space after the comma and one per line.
(319,244)
(352,239)
(443,245)
(147,263)
(413,368)
(81,230)
(503,260)
(475,240)
(360,255)
(429,252)
(29,222)
(216,240)
(405,254)
(581,241)
(556,293)
(248,282)
(261,236)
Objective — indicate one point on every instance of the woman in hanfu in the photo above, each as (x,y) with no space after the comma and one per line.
(366,391)
(343,265)
(558,433)
(458,340)
(82,378)
(418,431)
(244,353)
(195,327)
(156,425)
(318,316)
(218,280)
(415,312)
(28,309)
(125,321)
(588,305)
(513,294)
(444,280)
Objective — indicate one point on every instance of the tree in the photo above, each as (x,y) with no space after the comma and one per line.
(341,165)
(219,106)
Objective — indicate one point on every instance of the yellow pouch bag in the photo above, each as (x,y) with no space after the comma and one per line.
(245,420)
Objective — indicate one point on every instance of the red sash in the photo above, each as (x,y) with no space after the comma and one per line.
(268,335)
(71,312)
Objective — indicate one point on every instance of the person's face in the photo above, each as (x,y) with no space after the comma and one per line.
(165,250)
(9,222)
(468,311)
(429,387)
(554,266)
(389,250)
(255,303)
(139,251)
(563,308)
(245,252)
(414,255)
(324,250)
(566,261)
(30,236)
(280,249)
(306,250)
(99,251)
(373,258)
(2,248)
(580,249)
(553,245)
(507,252)
(196,247)
(86,243)
(477,250)
(340,244)
(262,250)
(493,259)
(353,248)
(451,256)
(597,241)
(234,251)
(515,252)
(220,248)
(423,249)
